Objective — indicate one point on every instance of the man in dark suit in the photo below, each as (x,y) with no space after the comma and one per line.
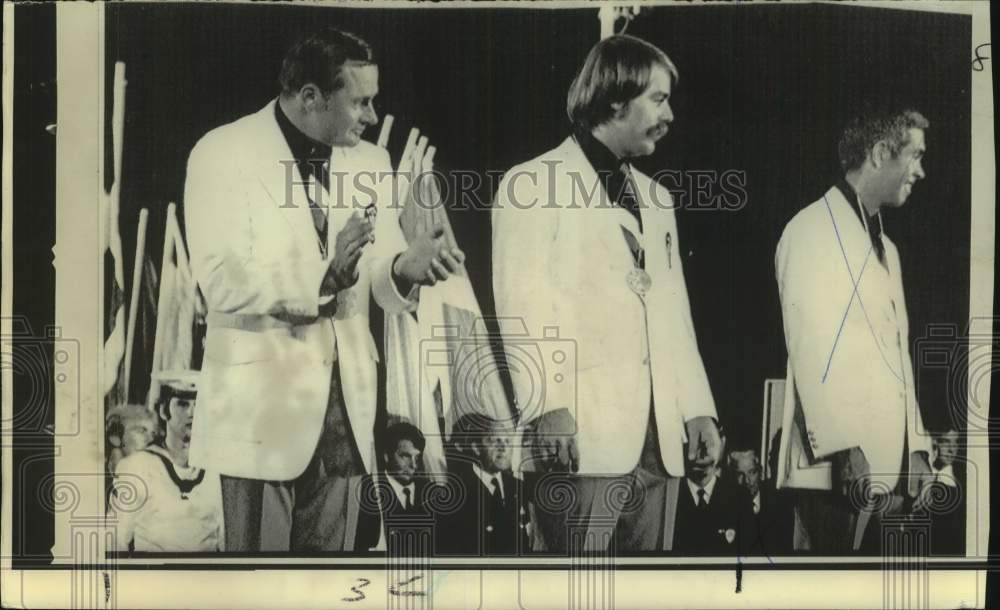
(493,517)
(400,497)
(714,514)
(773,516)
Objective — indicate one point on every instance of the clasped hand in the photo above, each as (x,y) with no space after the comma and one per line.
(342,273)
(429,259)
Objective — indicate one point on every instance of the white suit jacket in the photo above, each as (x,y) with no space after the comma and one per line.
(255,253)
(848,351)
(561,262)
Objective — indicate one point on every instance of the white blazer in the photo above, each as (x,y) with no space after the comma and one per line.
(848,351)
(255,253)
(560,261)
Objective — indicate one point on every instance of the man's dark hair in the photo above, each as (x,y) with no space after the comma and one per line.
(870,126)
(469,428)
(616,70)
(319,59)
(166,394)
(402,431)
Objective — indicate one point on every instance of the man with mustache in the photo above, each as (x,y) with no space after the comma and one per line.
(585,248)
(846,330)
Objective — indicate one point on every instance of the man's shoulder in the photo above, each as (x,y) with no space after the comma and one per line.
(806,224)
(232,136)
(144,462)
(550,160)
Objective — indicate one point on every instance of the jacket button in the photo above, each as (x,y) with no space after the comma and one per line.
(489,528)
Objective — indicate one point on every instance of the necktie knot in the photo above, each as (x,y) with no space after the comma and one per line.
(701,499)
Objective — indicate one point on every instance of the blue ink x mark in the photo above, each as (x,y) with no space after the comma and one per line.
(854,293)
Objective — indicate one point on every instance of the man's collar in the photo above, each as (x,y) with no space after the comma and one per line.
(302,146)
(851,196)
(487,479)
(600,156)
(709,488)
(399,487)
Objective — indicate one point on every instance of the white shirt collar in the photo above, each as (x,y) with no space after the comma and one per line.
(946,475)
(488,479)
(709,488)
(398,487)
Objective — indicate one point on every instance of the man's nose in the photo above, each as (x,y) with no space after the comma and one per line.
(919,173)
(668,114)
(369,116)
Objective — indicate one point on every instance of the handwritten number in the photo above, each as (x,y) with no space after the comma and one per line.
(394,589)
(363,582)
(977,61)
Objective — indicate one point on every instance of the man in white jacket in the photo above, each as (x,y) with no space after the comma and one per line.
(585,248)
(287,251)
(847,334)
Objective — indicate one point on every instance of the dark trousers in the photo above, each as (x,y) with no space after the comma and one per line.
(314,511)
(628,512)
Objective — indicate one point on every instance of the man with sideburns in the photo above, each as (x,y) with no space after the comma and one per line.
(607,274)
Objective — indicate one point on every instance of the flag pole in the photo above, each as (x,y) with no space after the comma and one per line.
(113,356)
(133,308)
(166,288)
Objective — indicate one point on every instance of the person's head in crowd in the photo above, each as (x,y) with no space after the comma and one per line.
(945,448)
(485,440)
(129,428)
(700,472)
(746,470)
(176,404)
(403,449)
(622,95)
(881,151)
(329,81)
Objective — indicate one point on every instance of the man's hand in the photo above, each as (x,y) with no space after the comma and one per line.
(428,260)
(552,438)
(850,469)
(342,273)
(704,444)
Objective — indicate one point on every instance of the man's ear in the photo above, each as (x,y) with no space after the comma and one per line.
(880,153)
(618,109)
(310,96)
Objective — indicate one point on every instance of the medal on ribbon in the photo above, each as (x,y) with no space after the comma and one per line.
(637,279)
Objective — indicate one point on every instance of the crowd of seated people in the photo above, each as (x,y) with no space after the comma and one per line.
(480,507)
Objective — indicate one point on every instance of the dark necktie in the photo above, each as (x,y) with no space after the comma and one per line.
(319,208)
(702,504)
(497,496)
(628,199)
(407,501)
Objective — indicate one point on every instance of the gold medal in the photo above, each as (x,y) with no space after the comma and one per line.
(639,281)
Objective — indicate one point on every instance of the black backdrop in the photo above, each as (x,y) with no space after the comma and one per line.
(763,90)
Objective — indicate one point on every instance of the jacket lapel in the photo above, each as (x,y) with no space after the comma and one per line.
(578,176)
(281,180)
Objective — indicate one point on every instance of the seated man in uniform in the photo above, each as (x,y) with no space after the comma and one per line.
(161,503)
(773,516)
(714,514)
(493,517)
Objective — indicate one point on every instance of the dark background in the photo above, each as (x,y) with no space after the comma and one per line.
(763,90)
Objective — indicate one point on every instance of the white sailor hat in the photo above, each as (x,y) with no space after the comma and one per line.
(181,382)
